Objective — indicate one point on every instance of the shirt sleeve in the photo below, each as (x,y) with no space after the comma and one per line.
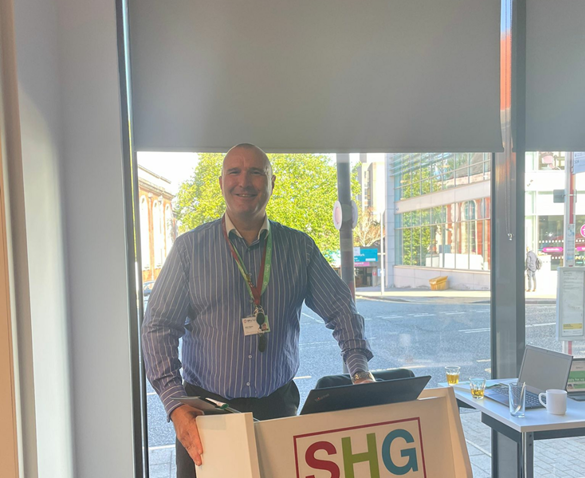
(164,325)
(330,297)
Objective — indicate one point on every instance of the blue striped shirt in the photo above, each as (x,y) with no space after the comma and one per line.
(201,296)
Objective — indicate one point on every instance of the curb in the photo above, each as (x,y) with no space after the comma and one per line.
(471,300)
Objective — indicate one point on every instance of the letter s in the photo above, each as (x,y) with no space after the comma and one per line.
(317,464)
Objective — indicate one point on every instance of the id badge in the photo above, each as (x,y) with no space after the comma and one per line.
(251,327)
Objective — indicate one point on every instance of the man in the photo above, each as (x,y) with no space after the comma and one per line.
(532,263)
(233,290)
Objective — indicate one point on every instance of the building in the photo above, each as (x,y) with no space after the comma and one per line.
(438,216)
(441,205)
(158,228)
(372,205)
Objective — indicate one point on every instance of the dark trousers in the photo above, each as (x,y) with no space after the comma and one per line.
(284,402)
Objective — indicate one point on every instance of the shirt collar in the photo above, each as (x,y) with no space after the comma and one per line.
(229,226)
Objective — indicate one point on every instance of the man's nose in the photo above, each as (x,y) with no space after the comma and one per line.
(245,180)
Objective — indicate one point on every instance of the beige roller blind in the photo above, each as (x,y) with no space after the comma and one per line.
(316,75)
(555,75)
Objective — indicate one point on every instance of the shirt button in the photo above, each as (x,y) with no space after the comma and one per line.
(249,356)
(248,384)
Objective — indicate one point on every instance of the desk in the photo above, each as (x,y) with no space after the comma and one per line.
(538,424)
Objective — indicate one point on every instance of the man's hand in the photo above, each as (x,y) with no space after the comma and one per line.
(186,430)
(362,377)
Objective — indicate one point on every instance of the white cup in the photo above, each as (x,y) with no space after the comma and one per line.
(556,401)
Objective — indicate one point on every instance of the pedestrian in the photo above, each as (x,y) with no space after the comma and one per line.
(233,289)
(532,264)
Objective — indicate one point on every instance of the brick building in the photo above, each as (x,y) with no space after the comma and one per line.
(157,222)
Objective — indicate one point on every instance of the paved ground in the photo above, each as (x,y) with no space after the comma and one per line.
(447,295)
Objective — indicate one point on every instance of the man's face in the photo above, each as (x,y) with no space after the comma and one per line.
(246,184)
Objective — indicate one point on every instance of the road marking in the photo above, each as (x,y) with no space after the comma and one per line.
(311,317)
(389,316)
(150,393)
(486,329)
(302,378)
(452,313)
(483,360)
(474,331)
(162,447)
(424,314)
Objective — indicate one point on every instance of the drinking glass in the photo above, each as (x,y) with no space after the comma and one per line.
(452,375)
(517,397)
(477,387)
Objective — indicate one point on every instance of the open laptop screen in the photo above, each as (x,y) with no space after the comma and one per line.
(346,397)
(544,369)
(577,376)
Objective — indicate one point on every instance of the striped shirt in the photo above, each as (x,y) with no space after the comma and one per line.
(201,296)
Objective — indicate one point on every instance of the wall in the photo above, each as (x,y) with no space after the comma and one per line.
(97,283)
(69,101)
(40,125)
(418,277)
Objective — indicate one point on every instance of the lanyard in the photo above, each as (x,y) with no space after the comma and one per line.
(264,274)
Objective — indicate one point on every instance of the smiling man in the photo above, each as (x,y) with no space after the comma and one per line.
(233,289)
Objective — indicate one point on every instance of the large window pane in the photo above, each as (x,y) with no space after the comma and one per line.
(437,238)
(544,236)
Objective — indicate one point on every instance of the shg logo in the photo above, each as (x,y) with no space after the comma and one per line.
(380,450)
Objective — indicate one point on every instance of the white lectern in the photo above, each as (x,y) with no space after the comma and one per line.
(418,439)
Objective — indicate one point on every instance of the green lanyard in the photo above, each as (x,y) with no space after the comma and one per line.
(264,273)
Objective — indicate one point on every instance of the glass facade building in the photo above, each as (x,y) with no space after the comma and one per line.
(447,234)
(416,174)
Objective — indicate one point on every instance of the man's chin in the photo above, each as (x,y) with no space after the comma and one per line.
(245,215)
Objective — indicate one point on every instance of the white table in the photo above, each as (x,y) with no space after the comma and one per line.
(537,424)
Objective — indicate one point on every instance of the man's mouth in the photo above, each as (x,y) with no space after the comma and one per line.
(245,195)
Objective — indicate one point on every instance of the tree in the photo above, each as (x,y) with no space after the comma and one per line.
(367,230)
(303,196)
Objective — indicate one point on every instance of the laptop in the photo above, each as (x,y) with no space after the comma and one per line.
(541,370)
(576,382)
(346,397)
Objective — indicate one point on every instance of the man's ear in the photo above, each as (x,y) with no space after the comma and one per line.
(220,184)
(273,179)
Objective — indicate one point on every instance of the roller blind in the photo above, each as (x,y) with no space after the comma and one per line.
(555,75)
(316,75)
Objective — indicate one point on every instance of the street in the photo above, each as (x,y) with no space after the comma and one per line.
(423,335)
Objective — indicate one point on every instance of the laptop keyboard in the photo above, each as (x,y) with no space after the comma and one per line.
(531,398)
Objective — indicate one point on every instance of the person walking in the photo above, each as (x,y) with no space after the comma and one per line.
(532,264)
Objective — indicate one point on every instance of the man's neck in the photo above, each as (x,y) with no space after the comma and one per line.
(249,230)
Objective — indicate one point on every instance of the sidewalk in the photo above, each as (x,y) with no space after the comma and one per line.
(450,295)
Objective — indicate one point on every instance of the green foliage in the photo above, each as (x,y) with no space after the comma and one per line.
(303,196)
(199,199)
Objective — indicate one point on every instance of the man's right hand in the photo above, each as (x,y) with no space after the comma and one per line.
(186,430)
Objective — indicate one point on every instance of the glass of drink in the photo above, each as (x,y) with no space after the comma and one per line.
(452,375)
(517,397)
(477,387)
